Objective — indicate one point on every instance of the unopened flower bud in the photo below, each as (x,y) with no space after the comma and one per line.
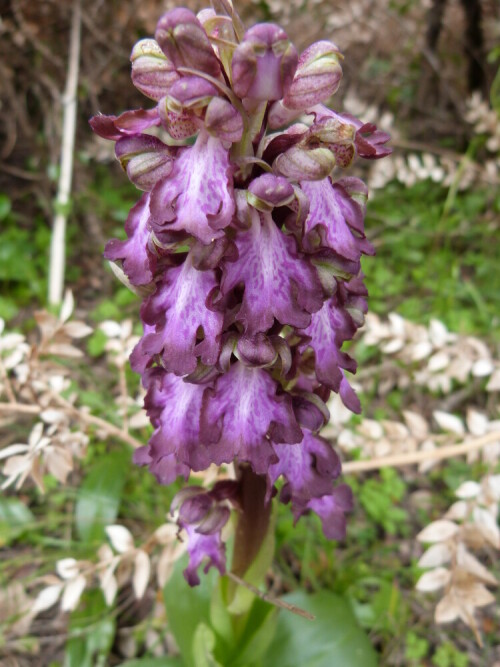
(223,120)
(256,350)
(184,41)
(279,115)
(268,191)
(152,72)
(146,159)
(317,77)
(302,164)
(264,63)
(190,93)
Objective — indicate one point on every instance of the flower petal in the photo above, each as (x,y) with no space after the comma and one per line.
(309,468)
(333,214)
(197,197)
(240,413)
(174,407)
(278,283)
(178,308)
(138,262)
(201,547)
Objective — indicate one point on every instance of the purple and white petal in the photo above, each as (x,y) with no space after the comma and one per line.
(202,548)
(197,197)
(178,431)
(329,328)
(166,469)
(333,214)
(138,261)
(332,509)
(178,310)
(309,468)
(278,282)
(240,415)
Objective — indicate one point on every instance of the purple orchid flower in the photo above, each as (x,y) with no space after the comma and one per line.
(247,243)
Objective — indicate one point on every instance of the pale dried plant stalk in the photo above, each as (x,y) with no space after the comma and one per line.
(392,443)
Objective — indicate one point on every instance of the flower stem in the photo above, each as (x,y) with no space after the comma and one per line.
(253,522)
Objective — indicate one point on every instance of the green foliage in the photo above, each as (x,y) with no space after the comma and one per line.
(91,633)
(379,499)
(333,638)
(434,256)
(99,496)
(154,662)
(417,648)
(15,519)
(378,605)
(209,636)
(447,655)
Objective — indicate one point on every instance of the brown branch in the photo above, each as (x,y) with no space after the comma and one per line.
(110,429)
(268,598)
(399,460)
(4,376)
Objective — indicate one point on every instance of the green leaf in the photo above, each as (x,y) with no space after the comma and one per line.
(96,344)
(5,206)
(167,661)
(8,308)
(188,607)
(258,633)
(99,497)
(15,518)
(333,639)
(204,643)
(91,632)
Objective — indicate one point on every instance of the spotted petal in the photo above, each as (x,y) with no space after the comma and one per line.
(178,309)
(242,413)
(278,283)
(197,197)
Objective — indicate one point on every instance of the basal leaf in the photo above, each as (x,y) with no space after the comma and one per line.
(334,638)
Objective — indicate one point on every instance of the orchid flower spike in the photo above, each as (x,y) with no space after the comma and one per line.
(246,244)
